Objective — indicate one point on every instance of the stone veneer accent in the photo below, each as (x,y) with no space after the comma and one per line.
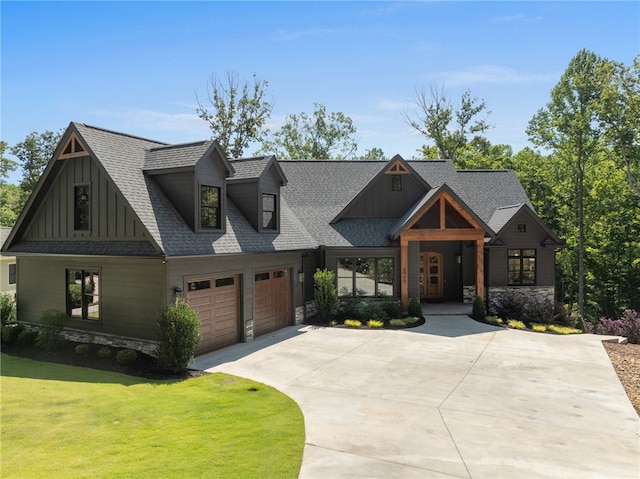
(541,293)
(309,309)
(468,294)
(300,312)
(248,331)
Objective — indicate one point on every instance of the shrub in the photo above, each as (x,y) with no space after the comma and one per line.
(540,311)
(352,323)
(415,308)
(104,352)
(82,349)
(511,304)
(352,308)
(627,326)
(178,331)
(27,337)
(10,332)
(372,323)
(392,308)
(325,294)
(51,325)
(496,321)
(7,309)
(563,329)
(126,357)
(397,323)
(478,311)
(373,310)
(539,328)
(516,324)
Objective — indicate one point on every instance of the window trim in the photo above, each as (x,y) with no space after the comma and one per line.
(84,306)
(354,290)
(219,214)
(76,209)
(521,257)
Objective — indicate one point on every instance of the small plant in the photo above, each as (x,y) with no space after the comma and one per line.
(178,331)
(392,308)
(325,294)
(563,329)
(539,328)
(478,311)
(104,352)
(397,323)
(410,320)
(374,323)
(496,321)
(27,337)
(333,323)
(10,332)
(51,325)
(373,310)
(7,309)
(82,349)
(511,304)
(415,308)
(126,357)
(516,324)
(352,323)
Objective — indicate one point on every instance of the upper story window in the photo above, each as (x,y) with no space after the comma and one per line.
(81,207)
(210,216)
(396,183)
(269,217)
(521,267)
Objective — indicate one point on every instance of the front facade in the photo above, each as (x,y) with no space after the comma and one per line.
(120,226)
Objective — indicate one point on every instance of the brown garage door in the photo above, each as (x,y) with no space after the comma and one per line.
(272,293)
(216,301)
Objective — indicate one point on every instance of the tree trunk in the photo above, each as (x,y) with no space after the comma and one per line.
(580,231)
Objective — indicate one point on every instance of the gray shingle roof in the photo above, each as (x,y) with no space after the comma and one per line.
(250,168)
(175,156)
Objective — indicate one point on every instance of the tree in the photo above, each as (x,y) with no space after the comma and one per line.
(619,115)
(11,203)
(238,112)
(435,116)
(320,136)
(6,164)
(568,125)
(374,154)
(33,156)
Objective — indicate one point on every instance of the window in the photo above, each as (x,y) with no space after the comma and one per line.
(365,276)
(81,207)
(521,267)
(396,183)
(269,219)
(210,207)
(83,294)
(198,285)
(522,228)
(12,273)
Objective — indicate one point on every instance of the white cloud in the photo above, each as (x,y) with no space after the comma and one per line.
(490,74)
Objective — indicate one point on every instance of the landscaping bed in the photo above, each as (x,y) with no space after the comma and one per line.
(625,358)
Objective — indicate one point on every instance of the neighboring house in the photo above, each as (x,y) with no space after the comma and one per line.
(8,267)
(119,226)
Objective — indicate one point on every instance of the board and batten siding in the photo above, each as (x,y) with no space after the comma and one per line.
(110,217)
(181,190)
(132,291)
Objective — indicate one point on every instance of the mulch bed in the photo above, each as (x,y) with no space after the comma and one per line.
(626,361)
(145,365)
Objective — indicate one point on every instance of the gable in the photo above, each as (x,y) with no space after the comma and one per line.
(389,194)
(519,226)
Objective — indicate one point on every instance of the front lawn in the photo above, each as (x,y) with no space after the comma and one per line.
(65,421)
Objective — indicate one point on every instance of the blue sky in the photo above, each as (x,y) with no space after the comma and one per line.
(135,66)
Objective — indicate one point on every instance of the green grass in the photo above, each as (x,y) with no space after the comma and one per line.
(62,421)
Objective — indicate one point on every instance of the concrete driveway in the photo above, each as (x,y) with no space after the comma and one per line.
(451,398)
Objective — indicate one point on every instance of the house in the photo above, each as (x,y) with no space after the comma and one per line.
(119,225)
(8,270)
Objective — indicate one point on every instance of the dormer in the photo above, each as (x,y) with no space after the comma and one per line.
(194,177)
(255,190)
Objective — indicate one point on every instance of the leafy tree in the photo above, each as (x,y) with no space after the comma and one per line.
(449,129)
(374,154)
(237,113)
(11,203)
(320,136)
(568,126)
(6,164)
(619,114)
(325,294)
(33,156)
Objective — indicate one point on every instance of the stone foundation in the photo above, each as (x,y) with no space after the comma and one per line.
(248,331)
(300,312)
(540,293)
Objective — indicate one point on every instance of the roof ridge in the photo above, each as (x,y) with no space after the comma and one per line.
(167,146)
(250,158)
(121,134)
(515,205)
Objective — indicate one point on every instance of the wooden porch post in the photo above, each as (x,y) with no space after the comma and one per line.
(404,273)
(480,267)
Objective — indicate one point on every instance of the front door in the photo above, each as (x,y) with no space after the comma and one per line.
(431,276)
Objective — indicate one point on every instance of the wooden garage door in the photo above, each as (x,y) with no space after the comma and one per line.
(216,301)
(272,293)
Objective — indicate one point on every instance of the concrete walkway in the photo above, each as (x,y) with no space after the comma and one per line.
(451,398)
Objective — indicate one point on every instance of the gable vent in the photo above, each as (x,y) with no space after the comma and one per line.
(72,149)
(397,168)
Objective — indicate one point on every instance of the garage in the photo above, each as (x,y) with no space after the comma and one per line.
(272,293)
(216,301)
